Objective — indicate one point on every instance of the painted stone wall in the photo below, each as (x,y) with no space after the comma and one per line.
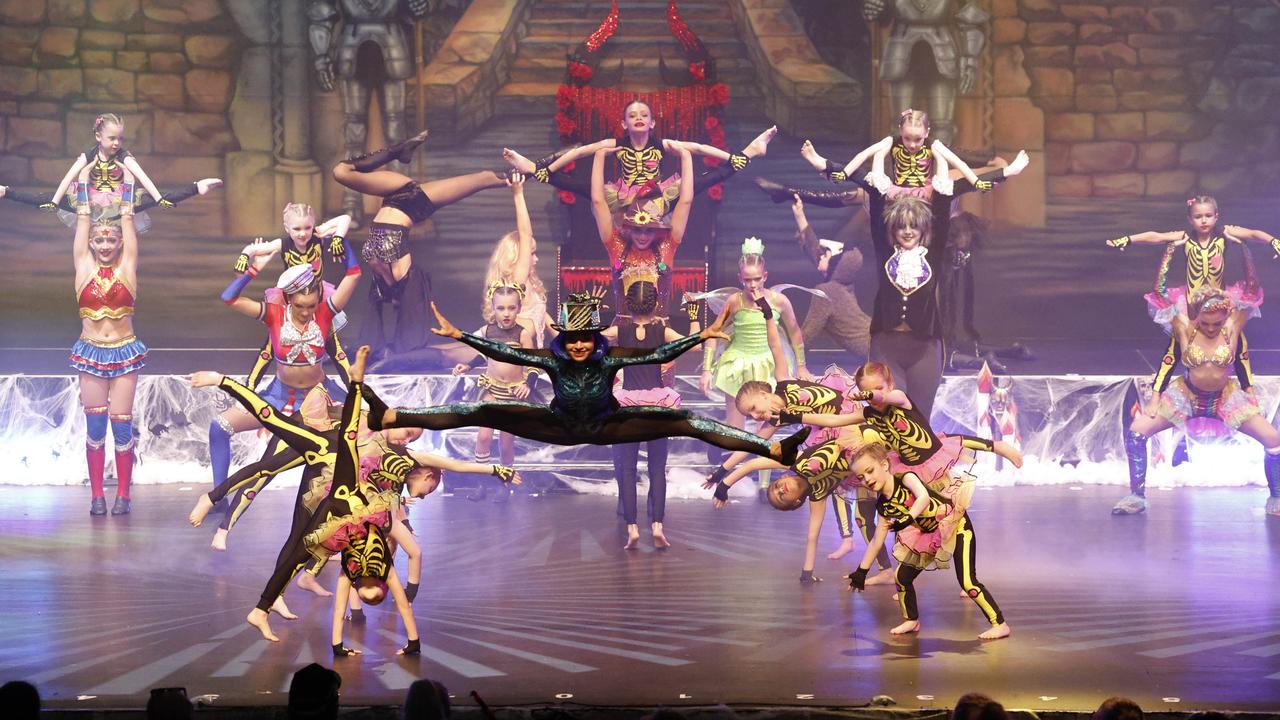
(167,66)
(1141,98)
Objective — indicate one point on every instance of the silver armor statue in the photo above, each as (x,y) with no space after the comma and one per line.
(380,25)
(954,40)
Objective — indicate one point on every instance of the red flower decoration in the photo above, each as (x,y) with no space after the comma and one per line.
(565,126)
(698,70)
(566,197)
(579,71)
(564,97)
(716,192)
(720,94)
(711,122)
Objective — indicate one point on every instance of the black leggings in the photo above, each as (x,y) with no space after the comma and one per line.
(625,458)
(966,574)
(916,365)
(626,425)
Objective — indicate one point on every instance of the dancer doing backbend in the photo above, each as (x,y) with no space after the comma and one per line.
(1208,335)
(644,385)
(299,321)
(582,367)
(355,518)
(312,439)
(822,469)
(640,158)
(931,527)
(108,355)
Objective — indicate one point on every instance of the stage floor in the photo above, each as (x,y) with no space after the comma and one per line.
(534,601)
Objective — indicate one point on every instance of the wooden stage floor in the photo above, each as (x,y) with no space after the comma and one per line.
(534,601)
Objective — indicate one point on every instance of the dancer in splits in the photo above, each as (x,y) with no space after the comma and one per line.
(926,521)
(582,367)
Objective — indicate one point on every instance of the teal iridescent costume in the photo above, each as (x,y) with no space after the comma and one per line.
(584,410)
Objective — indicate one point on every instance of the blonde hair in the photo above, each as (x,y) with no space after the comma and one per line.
(873,368)
(909,211)
(107,119)
(1207,299)
(297,210)
(877,450)
(501,264)
(748,388)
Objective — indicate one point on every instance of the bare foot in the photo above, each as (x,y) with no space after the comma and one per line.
(202,508)
(910,626)
(884,577)
(258,619)
(633,538)
(760,146)
(660,540)
(996,632)
(1020,163)
(204,186)
(278,607)
(846,547)
(308,582)
(809,153)
(518,161)
(219,540)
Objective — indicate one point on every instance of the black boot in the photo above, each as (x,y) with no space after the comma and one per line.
(823,198)
(402,151)
(1135,449)
(790,447)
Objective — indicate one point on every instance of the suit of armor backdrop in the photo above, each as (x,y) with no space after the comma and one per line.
(953,38)
(367,30)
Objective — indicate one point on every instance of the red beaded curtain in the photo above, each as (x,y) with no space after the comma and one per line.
(689,110)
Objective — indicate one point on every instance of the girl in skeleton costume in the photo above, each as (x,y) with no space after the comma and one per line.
(501,381)
(582,366)
(1208,336)
(299,318)
(644,385)
(101,172)
(1205,246)
(789,403)
(906,429)
(641,240)
(754,352)
(932,528)
(108,355)
(314,441)
(640,157)
(355,518)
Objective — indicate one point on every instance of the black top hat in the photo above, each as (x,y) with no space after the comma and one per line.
(580,313)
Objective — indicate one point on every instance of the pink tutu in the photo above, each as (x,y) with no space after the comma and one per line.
(933,550)
(345,533)
(1164,308)
(1181,403)
(938,465)
(660,396)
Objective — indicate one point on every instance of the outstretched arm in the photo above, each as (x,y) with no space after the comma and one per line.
(680,215)
(491,349)
(817,513)
(866,153)
(73,171)
(347,286)
(132,165)
(600,206)
(1147,238)
(259,253)
(524,233)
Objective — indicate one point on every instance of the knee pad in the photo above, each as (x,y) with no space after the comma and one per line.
(95,425)
(122,432)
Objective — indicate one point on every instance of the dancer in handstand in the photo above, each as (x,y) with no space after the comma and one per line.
(582,367)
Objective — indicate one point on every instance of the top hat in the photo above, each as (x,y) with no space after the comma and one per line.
(580,313)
